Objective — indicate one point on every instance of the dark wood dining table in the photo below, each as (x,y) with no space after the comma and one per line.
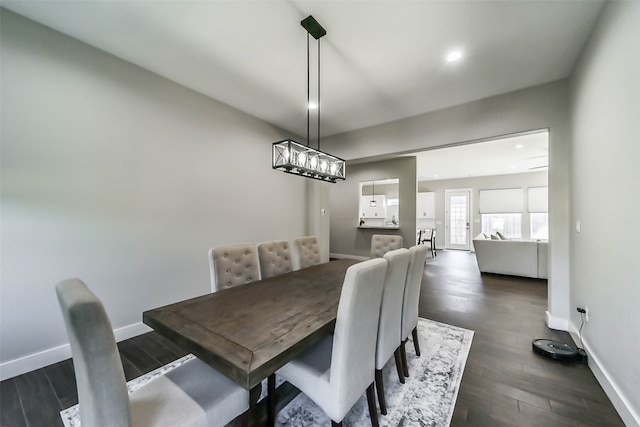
(249,331)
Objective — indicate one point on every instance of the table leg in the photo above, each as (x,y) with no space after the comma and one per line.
(271,400)
(254,395)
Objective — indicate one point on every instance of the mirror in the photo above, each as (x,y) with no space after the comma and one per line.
(379,205)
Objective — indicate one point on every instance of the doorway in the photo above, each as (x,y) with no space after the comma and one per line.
(457,219)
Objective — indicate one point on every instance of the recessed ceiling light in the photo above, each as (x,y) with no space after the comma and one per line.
(436,175)
(519,146)
(313,105)
(454,55)
(513,166)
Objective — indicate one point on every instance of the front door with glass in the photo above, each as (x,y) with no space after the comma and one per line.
(457,216)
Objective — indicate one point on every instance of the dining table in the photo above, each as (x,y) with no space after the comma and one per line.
(247,332)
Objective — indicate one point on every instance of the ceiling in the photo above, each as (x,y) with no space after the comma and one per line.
(527,152)
(381,60)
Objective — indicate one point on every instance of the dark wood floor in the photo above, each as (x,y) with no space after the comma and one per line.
(504,383)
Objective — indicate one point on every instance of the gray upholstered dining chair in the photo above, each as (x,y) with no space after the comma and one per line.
(193,394)
(338,369)
(389,326)
(274,258)
(233,265)
(308,251)
(410,301)
(383,243)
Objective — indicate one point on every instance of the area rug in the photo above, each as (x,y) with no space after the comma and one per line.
(426,399)
(428,396)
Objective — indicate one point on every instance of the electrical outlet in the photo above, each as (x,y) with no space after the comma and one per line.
(586,313)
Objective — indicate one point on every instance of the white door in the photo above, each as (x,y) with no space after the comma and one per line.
(458,208)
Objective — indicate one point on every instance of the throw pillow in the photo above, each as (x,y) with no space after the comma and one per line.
(494,237)
(480,236)
(502,236)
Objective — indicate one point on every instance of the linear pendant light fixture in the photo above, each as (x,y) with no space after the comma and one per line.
(292,157)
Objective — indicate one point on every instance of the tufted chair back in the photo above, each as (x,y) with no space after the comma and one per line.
(383,243)
(308,251)
(275,258)
(233,265)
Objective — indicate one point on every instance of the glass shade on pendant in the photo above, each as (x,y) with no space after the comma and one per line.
(292,157)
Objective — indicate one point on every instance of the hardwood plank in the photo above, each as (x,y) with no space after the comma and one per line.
(63,381)
(9,398)
(42,409)
(32,383)
(139,358)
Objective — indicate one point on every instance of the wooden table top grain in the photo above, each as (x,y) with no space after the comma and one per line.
(248,332)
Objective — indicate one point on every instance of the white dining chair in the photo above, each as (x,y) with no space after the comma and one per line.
(410,301)
(274,258)
(308,251)
(193,394)
(383,243)
(390,324)
(340,368)
(233,265)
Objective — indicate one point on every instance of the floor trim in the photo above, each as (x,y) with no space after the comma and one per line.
(555,322)
(29,363)
(629,416)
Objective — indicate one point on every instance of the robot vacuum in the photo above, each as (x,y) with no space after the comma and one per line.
(555,350)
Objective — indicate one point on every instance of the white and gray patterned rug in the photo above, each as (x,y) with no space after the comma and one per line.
(428,396)
(426,399)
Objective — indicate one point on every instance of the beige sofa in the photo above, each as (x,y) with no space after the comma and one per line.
(527,258)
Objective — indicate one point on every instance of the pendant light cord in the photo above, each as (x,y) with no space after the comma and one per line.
(308,92)
(318,94)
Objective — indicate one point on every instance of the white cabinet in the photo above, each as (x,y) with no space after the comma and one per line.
(379,211)
(425,206)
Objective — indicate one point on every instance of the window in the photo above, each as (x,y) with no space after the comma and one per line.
(540,226)
(509,224)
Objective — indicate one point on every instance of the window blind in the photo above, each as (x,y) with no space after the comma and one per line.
(538,200)
(510,200)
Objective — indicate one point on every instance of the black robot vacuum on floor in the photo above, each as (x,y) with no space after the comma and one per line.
(558,350)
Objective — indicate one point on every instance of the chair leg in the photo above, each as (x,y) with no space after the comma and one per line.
(416,342)
(335,424)
(380,390)
(399,364)
(371,401)
(403,354)
(271,400)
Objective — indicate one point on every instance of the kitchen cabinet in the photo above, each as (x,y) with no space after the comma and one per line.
(425,205)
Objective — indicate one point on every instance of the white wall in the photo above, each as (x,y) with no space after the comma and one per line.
(540,107)
(124,179)
(604,255)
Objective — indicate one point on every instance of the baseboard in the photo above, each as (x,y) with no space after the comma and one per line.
(48,357)
(629,415)
(555,322)
(343,256)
